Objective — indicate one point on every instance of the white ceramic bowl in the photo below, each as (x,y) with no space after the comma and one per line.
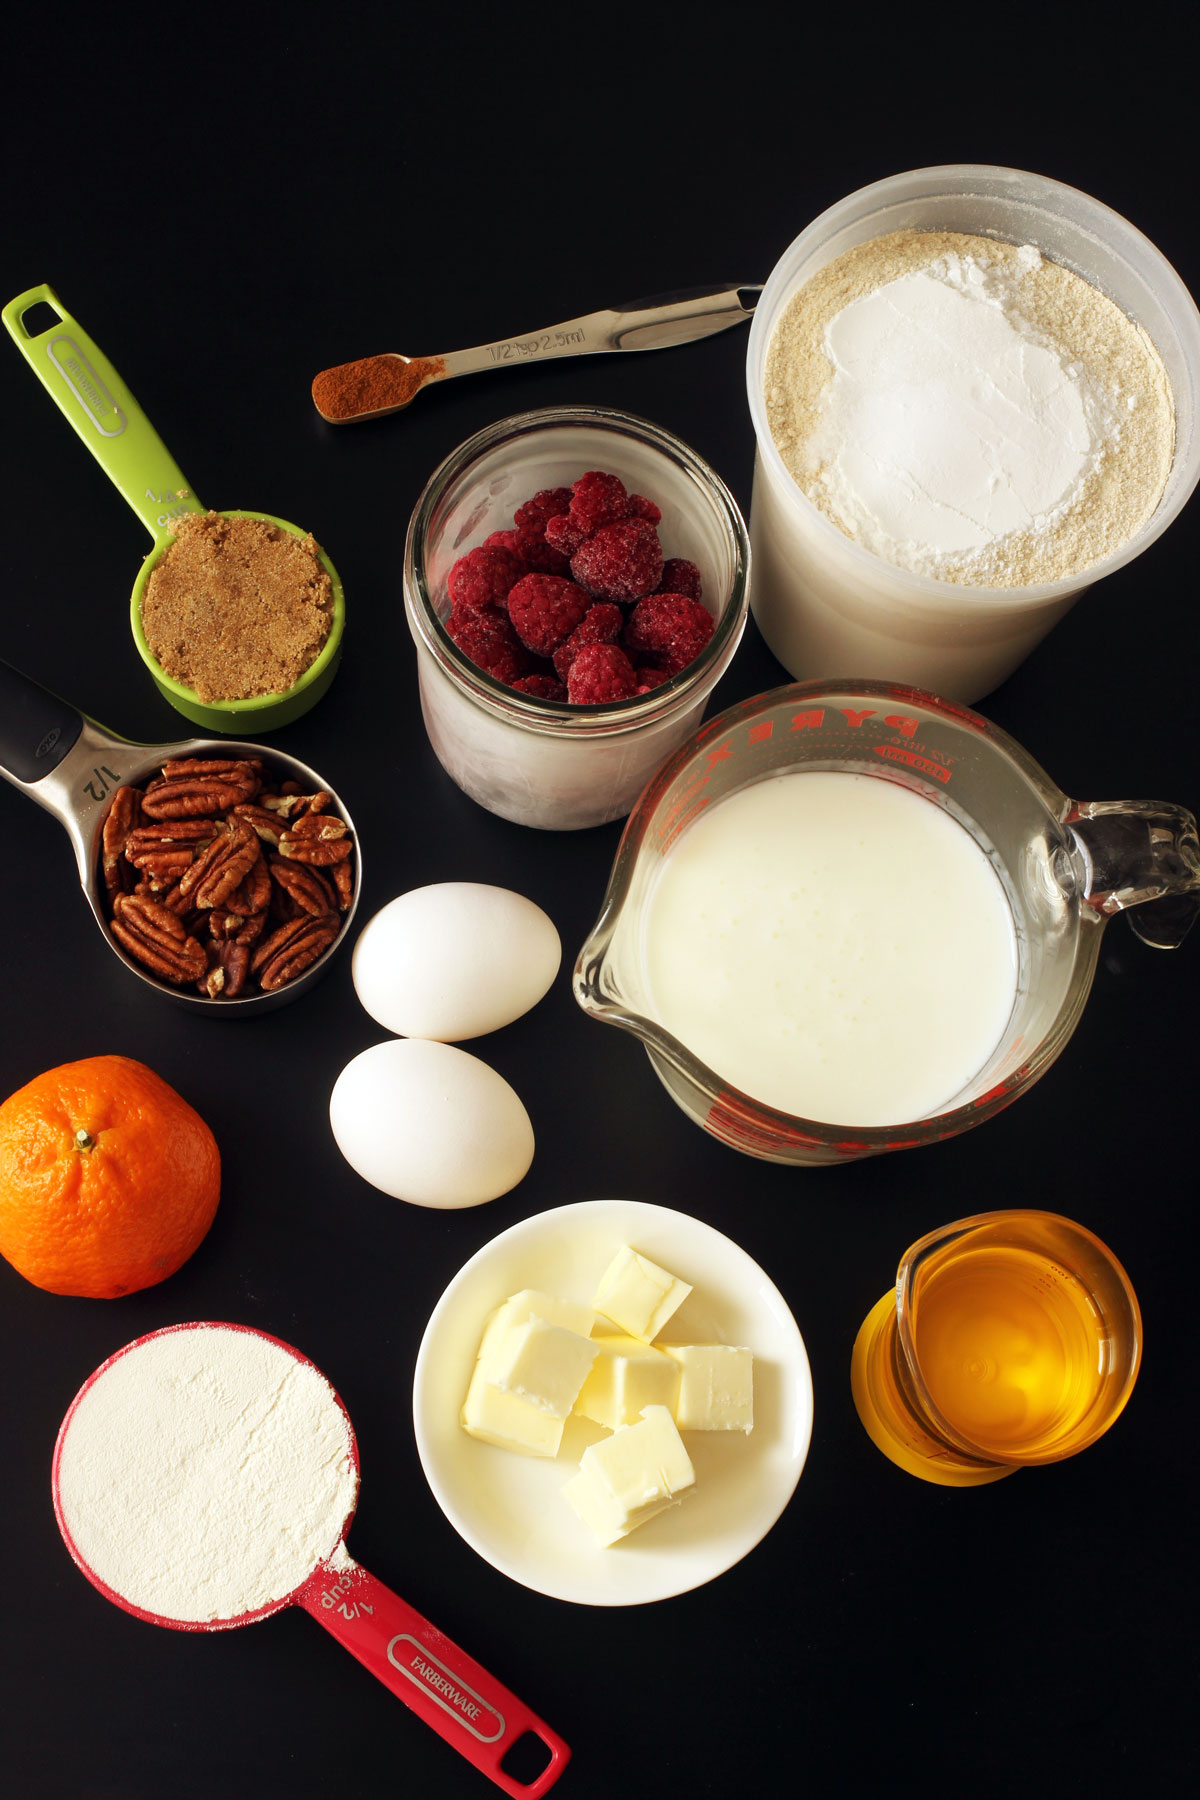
(510,1508)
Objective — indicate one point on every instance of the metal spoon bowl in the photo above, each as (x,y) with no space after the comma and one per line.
(72,767)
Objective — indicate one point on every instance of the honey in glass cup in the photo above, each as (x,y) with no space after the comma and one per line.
(1010,1339)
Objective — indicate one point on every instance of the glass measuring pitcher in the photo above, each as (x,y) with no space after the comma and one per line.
(1065,867)
(1009,1339)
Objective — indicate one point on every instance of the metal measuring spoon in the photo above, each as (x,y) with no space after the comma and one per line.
(449,1690)
(375,385)
(93,398)
(73,767)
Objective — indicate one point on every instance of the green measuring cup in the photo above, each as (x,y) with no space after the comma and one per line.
(92,397)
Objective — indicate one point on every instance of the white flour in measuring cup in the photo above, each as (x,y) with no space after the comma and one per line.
(206,1473)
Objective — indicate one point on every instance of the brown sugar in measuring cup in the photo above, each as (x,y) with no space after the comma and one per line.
(235,607)
(91,395)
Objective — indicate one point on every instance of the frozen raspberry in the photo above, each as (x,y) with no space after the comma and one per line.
(600,625)
(648,677)
(641,508)
(545,610)
(669,627)
(680,576)
(598,499)
(600,673)
(483,577)
(490,642)
(620,562)
(546,504)
(542,687)
(528,544)
(507,540)
(564,535)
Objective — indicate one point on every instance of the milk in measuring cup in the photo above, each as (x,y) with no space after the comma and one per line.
(833,945)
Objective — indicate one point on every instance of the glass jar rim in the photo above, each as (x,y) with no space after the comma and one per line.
(561,718)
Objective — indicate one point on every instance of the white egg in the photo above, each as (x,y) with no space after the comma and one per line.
(455,960)
(430,1124)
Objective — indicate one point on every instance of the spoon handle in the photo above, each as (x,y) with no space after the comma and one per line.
(652,324)
(375,385)
(475,1713)
(94,400)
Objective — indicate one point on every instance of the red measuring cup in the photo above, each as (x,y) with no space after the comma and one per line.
(468,1707)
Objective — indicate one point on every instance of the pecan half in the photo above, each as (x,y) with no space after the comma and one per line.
(343,881)
(193,786)
(163,852)
(123,816)
(254,895)
(311,891)
(288,805)
(228,965)
(292,949)
(316,838)
(219,869)
(157,938)
(268,825)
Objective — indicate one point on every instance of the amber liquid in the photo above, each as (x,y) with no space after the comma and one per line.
(1011,1347)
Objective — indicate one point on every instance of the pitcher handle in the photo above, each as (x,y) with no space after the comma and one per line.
(1140,857)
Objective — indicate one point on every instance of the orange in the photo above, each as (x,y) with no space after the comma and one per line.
(108,1178)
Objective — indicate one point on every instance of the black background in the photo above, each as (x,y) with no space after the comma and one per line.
(230,200)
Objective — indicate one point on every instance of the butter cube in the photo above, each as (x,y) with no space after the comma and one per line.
(716,1387)
(531,1303)
(631,1476)
(543,1364)
(507,1420)
(626,1376)
(638,1295)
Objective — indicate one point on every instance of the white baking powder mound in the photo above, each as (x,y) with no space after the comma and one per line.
(947,424)
(206,1473)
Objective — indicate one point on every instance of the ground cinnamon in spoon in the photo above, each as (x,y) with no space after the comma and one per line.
(237,607)
(372,383)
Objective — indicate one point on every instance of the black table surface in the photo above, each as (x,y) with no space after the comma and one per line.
(228,207)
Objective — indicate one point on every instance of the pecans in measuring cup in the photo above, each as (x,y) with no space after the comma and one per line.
(220,877)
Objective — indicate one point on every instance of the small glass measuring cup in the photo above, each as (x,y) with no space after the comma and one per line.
(94,400)
(73,767)
(449,1690)
(1066,867)
(1009,1339)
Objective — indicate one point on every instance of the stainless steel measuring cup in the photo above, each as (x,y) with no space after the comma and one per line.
(468,1707)
(96,402)
(1066,867)
(73,767)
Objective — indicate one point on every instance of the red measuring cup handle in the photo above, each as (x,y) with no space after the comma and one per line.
(475,1714)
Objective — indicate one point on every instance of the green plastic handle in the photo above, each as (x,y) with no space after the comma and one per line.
(91,395)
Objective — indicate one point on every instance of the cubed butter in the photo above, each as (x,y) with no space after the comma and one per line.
(507,1420)
(626,1376)
(543,1364)
(638,1295)
(716,1387)
(631,1476)
(531,1303)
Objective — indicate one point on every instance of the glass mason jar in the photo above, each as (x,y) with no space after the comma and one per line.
(541,762)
